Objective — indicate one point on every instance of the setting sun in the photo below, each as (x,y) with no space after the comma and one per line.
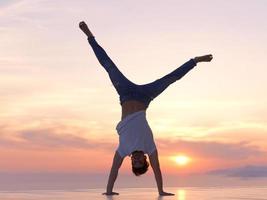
(181,160)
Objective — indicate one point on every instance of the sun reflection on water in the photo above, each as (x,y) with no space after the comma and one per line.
(181,195)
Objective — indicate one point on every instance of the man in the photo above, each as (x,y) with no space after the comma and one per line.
(135,135)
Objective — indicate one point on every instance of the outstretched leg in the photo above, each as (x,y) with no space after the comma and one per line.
(119,81)
(158,86)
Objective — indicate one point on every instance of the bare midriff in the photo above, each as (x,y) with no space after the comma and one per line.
(131,106)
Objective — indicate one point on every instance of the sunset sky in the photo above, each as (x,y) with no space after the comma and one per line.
(59,110)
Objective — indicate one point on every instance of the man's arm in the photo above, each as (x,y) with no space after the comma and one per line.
(154,161)
(117,161)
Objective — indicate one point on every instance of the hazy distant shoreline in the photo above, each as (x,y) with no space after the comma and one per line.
(79,181)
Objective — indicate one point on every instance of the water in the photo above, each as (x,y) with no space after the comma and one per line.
(197,193)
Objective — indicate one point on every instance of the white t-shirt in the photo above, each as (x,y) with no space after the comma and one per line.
(135,134)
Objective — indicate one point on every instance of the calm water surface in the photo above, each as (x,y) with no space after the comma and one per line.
(238,193)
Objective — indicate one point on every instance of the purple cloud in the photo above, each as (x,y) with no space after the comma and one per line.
(47,138)
(212,149)
(249,171)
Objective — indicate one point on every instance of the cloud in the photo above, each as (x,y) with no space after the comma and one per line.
(249,171)
(48,138)
(71,137)
(7,3)
(34,15)
(211,149)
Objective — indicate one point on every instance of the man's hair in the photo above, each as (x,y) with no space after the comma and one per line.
(140,170)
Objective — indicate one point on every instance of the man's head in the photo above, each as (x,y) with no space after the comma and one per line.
(139,163)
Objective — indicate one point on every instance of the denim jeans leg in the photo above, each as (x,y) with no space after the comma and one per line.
(119,81)
(158,86)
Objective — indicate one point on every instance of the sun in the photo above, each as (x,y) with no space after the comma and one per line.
(181,160)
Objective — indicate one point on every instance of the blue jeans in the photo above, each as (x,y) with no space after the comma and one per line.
(128,90)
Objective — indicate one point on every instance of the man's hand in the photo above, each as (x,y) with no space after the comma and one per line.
(166,194)
(83,26)
(110,193)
